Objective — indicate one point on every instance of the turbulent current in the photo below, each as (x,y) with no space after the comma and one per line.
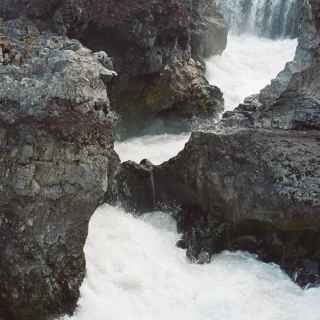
(247,65)
(134,269)
(135,272)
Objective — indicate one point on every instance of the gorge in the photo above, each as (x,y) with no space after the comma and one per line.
(221,221)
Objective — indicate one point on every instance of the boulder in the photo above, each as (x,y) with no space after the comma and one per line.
(249,189)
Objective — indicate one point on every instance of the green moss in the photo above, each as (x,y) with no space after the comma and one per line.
(156,95)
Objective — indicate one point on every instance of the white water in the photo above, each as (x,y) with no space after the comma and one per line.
(134,269)
(248,65)
(156,148)
(269,18)
(135,272)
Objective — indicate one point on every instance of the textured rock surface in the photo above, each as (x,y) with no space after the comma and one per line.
(155,44)
(56,162)
(238,189)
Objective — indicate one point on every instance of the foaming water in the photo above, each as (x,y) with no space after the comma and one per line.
(273,19)
(135,272)
(156,148)
(134,269)
(247,65)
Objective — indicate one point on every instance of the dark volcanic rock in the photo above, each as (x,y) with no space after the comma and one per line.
(56,162)
(247,184)
(156,46)
(254,190)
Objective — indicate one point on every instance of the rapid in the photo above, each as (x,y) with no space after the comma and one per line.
(134,269)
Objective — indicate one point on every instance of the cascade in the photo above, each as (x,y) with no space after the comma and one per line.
(267,18)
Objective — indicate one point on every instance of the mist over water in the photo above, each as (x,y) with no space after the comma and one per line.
(135,272)
(248,65)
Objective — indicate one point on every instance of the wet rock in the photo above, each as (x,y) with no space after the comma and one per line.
(135,187)
(56,163)
(204,257)
(252,190)
(261,188)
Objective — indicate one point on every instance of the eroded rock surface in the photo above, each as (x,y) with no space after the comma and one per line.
(238,191)
(156,45)
(56,163)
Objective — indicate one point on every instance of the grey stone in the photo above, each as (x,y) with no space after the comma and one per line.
(56,164)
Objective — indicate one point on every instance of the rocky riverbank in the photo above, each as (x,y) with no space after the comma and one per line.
(252,182)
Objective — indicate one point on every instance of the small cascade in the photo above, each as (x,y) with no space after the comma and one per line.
(266,18)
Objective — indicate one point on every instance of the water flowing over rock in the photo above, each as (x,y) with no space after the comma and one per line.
(56,164)
(252,190)
(292,100)
(252,181)
(268,18)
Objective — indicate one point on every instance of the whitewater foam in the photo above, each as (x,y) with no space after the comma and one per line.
(156,148)
(271,19)
(247,65)
(135,272)
(134,269)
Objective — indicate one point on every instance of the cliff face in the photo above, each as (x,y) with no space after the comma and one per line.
(156,46)
(56,162)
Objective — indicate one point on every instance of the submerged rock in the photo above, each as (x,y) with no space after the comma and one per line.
(56,163)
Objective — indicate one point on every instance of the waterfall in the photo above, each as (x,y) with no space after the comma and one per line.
(267,18)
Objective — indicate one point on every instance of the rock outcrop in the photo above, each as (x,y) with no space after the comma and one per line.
(157,48)
(292,100)
(56,163)
(252,181)
(240,190)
